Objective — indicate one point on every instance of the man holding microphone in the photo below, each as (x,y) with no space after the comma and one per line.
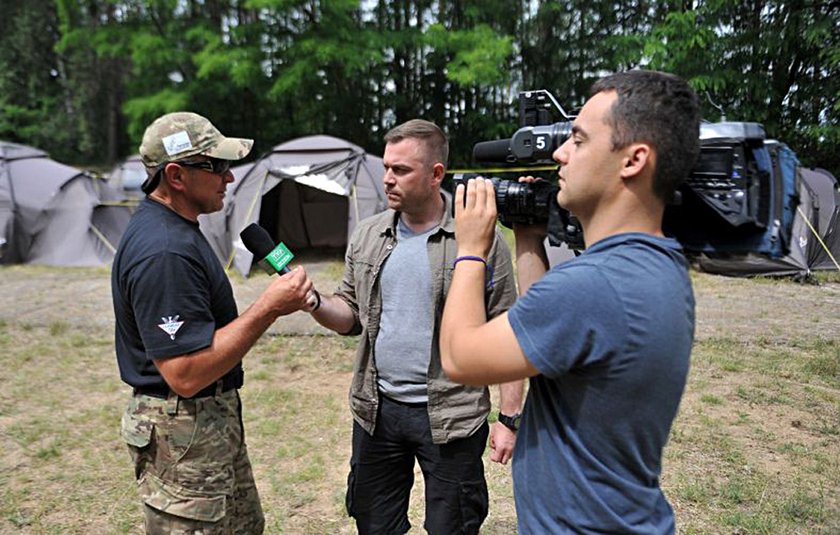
(180,340)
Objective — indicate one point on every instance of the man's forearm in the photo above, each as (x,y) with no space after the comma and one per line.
(510,397)
(473,350)
(335,314)
(531,261)
(464,309)
(188,374)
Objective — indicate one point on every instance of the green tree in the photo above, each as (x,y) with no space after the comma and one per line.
(777,63)
(321,75)
(93,47)
(470,52)
(83,78)
(32,103)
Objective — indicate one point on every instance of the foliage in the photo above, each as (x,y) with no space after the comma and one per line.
(476,53)
(31,93)
(82,78)
(776,63)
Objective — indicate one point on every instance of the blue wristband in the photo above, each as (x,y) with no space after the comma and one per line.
(488,271)
(469,257)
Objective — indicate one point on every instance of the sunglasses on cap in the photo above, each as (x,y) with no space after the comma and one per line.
(213,165)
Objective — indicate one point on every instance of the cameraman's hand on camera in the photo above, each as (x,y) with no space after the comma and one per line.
(531,258)
(475,219)
(530,233)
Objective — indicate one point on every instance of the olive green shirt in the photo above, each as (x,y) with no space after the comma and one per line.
(455,411)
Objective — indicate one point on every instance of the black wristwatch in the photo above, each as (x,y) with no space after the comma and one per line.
(511,422)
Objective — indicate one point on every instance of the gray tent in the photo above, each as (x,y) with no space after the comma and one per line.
(308,193)
(815,239)
(127,176)
(54,214)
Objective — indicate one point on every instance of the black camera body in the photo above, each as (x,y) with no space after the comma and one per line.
(533,144)
(538,136)
(518,202)
(528,145)
(532,203)
(737,199)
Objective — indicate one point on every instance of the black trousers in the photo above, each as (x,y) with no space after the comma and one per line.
(382,475)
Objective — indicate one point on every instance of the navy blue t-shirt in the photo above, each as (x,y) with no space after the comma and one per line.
(611,334)
(170,293)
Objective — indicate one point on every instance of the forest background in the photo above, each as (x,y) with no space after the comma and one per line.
(82,78)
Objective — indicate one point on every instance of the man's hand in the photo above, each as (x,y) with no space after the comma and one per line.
(313,301)
(288,293)
(531,233)
(475,221)
(502,441)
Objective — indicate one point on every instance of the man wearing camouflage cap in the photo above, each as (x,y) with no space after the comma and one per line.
(180,341)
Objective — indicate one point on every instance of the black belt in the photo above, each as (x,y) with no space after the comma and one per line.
(413,405)
(162,391)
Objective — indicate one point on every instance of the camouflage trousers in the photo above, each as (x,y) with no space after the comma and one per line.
(192,466)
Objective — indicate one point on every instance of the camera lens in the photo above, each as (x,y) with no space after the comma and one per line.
(514,199)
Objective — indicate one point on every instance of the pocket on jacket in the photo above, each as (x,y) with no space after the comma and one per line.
(364,274)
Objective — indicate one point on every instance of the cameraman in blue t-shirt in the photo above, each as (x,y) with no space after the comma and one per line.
(606,337)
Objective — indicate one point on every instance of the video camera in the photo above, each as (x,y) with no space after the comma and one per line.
(739,198)
(533,144)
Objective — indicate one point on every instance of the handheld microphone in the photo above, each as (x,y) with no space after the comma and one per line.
(275,259)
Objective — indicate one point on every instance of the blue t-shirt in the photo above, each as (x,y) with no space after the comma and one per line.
(611,334)
(170,293)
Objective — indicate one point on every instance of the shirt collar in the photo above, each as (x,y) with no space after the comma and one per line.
(446,224)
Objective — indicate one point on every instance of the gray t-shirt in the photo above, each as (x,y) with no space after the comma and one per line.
(403,345)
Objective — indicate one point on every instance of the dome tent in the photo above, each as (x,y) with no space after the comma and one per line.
(54,214)
(127,176)
(308,193)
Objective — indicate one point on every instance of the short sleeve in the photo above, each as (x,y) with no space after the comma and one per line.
(570,318)
(170,296)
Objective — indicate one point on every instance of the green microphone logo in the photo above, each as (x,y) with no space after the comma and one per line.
(279,257)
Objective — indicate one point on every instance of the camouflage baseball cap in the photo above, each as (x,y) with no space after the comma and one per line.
(179,135)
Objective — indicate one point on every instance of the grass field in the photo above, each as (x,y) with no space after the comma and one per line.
(755,448)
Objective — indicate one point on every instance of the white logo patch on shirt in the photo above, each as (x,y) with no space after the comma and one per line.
(171,325)
(177,142)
